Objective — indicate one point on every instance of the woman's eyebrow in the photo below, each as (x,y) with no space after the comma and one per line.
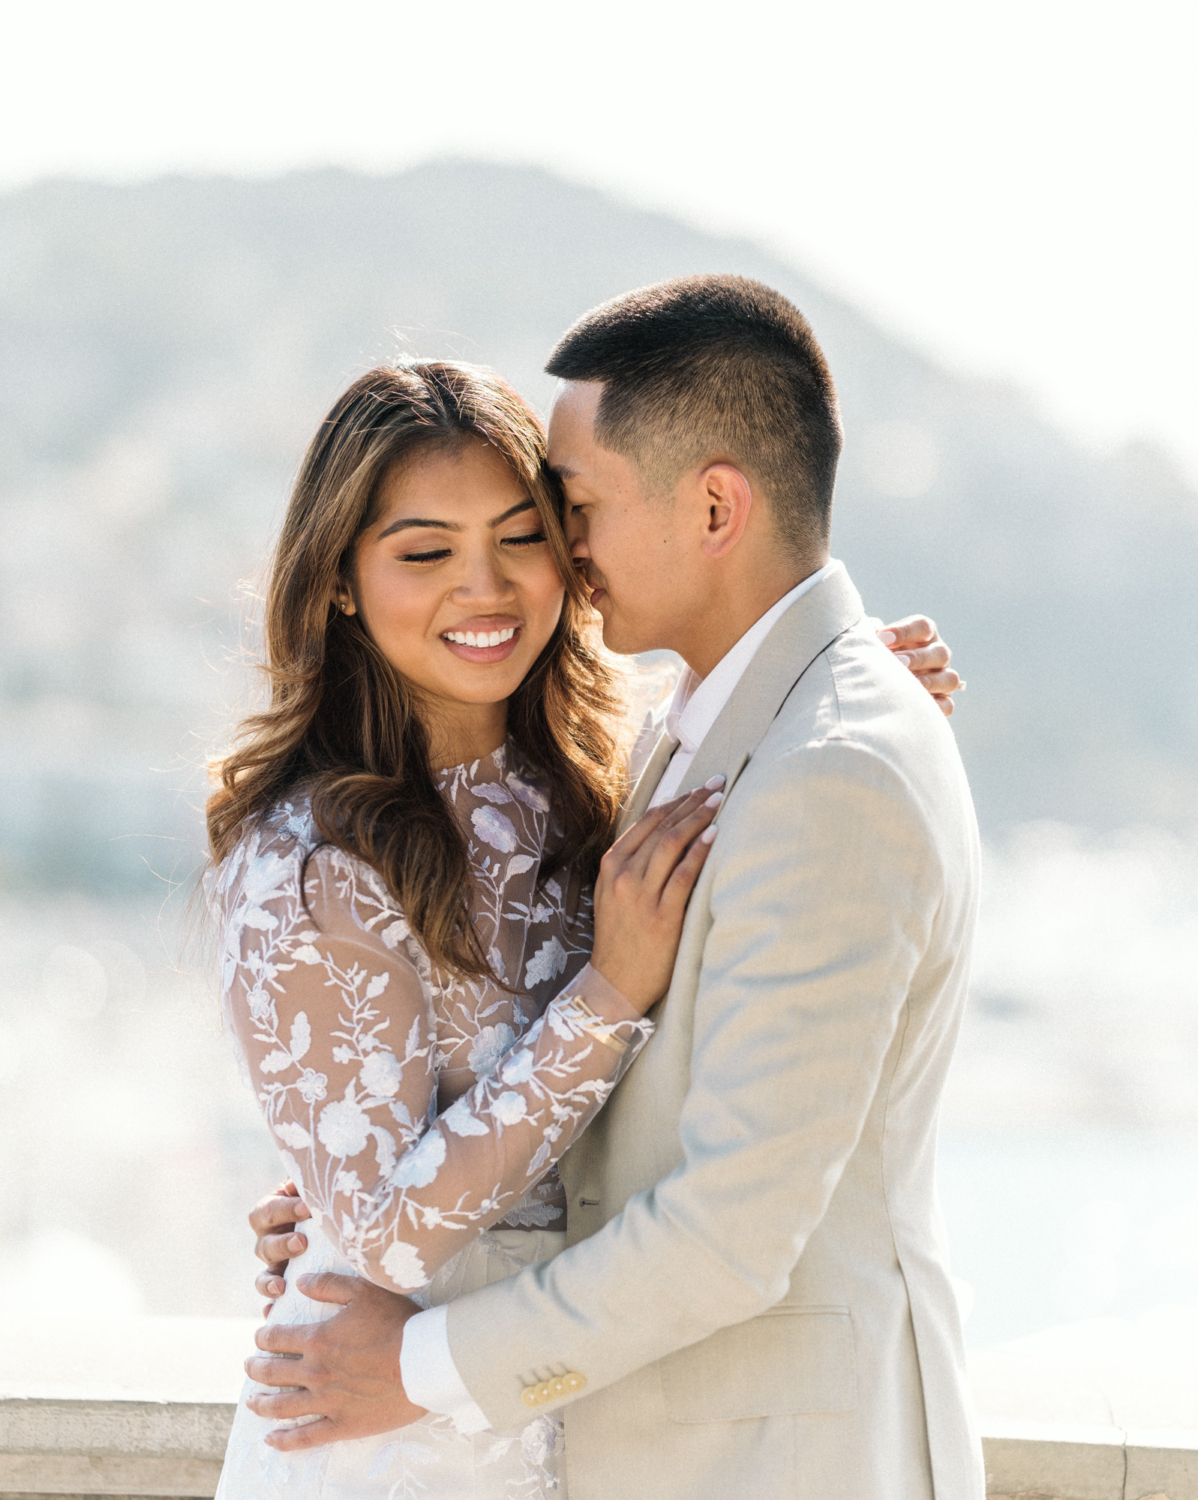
(508,514)
(410,522)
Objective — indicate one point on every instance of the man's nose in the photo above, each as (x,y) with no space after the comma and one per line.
(576,534)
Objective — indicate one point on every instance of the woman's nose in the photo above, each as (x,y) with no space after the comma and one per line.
(485,578)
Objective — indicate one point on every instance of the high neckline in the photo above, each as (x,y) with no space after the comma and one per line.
(482,766)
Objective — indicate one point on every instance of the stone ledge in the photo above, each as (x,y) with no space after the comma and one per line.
(141,1410)
(1045,1462)
(130,1448)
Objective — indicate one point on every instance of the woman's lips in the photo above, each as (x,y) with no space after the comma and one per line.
(486,653)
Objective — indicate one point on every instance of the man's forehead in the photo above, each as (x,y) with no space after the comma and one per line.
(571,427)
(576,401)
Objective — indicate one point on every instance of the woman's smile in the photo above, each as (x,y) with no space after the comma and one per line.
(484,640)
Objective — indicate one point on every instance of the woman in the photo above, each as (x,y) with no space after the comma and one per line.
(405,844)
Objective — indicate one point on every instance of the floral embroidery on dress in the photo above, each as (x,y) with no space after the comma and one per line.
(414,1108)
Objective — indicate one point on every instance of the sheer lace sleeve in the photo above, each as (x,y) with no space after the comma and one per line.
(331,1013)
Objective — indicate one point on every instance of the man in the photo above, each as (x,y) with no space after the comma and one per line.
(755,1300)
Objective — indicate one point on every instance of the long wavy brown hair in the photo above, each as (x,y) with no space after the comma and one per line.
(341,725)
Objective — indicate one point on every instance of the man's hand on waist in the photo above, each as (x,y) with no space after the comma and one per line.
(346,1369)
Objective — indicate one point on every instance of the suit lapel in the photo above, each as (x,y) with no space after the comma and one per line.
(647,781)
(807,629)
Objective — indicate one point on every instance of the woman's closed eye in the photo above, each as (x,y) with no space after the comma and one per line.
(525,539)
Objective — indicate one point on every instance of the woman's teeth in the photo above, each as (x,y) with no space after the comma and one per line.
(481,638)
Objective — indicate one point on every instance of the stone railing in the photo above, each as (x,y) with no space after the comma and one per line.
(142,1408)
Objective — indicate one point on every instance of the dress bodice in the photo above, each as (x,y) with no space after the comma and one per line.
(413,1107)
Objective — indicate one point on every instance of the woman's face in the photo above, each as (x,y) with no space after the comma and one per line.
(454,579)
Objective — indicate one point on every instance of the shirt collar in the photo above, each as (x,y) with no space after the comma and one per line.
(698,701)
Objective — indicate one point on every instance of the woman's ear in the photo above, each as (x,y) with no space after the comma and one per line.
(343,599)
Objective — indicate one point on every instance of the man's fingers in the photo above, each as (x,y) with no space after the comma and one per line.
(273,1369)
(327,1286)
(945,705)
(283,1338)
(310,1435)
(914,630)
(278,1405)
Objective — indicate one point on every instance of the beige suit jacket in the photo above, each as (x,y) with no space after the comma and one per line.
(755,1301)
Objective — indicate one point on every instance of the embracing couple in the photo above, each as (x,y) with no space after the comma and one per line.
(607,1075)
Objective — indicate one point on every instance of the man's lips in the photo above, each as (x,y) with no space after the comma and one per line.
(512,630)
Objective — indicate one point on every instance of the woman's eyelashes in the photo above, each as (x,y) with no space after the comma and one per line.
(525,539)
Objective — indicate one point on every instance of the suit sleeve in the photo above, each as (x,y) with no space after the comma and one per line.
(823,891)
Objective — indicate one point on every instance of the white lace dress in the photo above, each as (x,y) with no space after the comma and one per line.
(421,1115)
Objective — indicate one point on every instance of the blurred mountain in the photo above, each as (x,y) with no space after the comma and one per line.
(167,348)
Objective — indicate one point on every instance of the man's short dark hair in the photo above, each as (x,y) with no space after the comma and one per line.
(704,368)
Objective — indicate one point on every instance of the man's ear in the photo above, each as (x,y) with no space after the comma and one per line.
(727,498)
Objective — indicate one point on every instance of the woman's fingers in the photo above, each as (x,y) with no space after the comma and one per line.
(664,835)
(941,683)
(633,841)
(925,658)
(273,1248)
(681,883)
(914,630)
(663,853)
(270,1283)
(275,1211)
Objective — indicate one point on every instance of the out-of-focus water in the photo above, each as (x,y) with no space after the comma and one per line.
(1049,1226)
(130,1150)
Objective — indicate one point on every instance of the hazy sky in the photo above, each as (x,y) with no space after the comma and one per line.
(1013,185)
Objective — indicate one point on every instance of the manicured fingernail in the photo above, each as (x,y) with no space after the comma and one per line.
(714,784)
(714,800)
(295,1244)
(887,637)
(708,835)
(903,657)
(302,1211)
(276,1286)
(961,686)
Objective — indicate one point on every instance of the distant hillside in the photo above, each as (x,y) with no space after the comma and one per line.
(166,349)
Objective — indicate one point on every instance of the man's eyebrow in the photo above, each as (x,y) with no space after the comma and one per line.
(411,522)
(564,471)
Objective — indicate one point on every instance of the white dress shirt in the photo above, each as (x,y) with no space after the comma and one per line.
(430,1377)
(698,701)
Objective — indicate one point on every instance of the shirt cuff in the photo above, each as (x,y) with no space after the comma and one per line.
(430,1377)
